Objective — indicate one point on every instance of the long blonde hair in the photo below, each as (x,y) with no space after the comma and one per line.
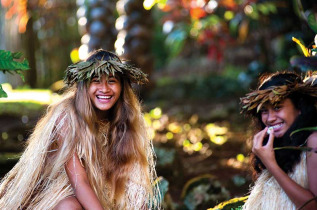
(111,151)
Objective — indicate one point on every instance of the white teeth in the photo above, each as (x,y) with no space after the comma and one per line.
(104,97)
(274,127)
(277,126)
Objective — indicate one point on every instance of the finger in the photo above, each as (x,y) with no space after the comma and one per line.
(259,137)
(271,139)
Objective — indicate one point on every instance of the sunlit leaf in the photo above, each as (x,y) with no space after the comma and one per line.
(156,113)
(304,129)
(197,147)
(263,8)
(174,127)
(234,203)
(308,149)
(3,94)
(148,4)
(74,55)
(156,124)
(229,15)
(271,6)
(169,135)
(303,48)
(240,157)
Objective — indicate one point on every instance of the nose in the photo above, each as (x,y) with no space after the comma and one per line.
(104,87)
(271,117)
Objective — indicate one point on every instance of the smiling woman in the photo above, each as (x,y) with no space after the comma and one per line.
(285,179)
(104,92)
(91,150)
(280,117)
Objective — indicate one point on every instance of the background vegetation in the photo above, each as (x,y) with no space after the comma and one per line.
(201,57)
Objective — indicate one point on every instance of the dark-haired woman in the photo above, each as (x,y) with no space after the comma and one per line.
(286,178)
(91,149)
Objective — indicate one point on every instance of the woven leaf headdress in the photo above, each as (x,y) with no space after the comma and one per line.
(253,101)
(85,70)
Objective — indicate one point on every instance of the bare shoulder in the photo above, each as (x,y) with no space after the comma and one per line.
(312,140)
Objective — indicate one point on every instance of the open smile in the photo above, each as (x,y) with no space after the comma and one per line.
(103,98)
(276,127)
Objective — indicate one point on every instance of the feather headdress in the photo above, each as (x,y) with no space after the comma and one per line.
(85,70)
(275,94)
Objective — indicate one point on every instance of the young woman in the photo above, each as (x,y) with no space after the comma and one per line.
(91,149)
(285,178)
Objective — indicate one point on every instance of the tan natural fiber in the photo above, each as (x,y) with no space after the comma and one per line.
(267,194)
(39,179)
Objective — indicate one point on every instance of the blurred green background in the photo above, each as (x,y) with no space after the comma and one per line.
(201,57)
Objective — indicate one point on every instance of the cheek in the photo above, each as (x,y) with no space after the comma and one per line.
(118,90)
(263,118)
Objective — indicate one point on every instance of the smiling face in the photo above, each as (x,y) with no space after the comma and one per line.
(279,117)
(104,92)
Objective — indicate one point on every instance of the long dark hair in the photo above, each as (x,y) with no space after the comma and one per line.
(287,158)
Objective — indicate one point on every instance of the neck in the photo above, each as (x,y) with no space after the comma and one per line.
(102,115)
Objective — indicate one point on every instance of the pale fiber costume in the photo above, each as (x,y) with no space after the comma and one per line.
(36,184)
(267,194)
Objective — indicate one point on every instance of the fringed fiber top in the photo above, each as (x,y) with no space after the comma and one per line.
(267,194)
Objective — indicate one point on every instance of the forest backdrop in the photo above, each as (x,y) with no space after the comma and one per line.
(201,57)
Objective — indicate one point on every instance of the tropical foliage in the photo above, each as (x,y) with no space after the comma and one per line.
(9,64)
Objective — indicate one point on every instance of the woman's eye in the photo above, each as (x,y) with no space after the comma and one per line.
(263,111)
(277,108)
(95,80)
(112,81)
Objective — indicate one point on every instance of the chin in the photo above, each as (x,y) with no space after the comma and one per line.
(279,135)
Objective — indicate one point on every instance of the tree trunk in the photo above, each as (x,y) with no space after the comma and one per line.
(30,53)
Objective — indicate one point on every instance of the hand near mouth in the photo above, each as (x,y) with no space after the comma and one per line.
(264,152)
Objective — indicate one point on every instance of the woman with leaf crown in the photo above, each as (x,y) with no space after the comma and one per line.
(284,149)
(90,150)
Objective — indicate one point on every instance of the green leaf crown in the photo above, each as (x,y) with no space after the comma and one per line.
(85,70)
(273,95)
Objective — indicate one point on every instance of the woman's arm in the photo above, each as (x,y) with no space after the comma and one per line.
(295,192)
(79,181)
(312,164)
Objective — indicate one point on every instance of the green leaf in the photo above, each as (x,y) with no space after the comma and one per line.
(304,129)
(3,94)
(21,75)
(7,62)
(294,148)
(17,55)
(312,22)
(175,41)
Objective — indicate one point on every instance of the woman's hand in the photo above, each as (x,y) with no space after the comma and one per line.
(264,152)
